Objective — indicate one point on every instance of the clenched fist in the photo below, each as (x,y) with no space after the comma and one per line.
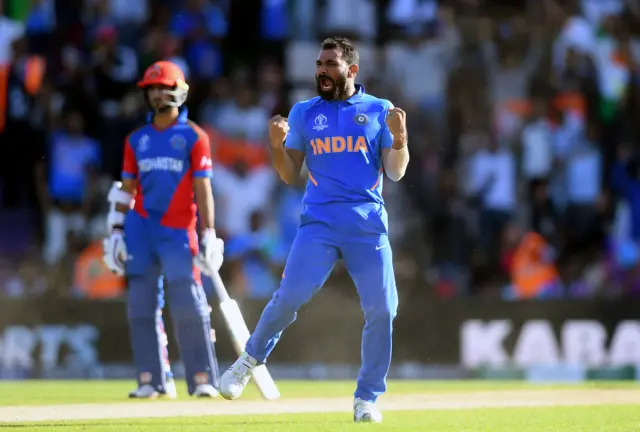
(278,129)
(397,123)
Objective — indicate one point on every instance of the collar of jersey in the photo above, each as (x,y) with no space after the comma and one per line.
(357,95)
(182,117)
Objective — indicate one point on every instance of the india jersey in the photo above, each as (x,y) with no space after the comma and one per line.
(342,141)
(165,162)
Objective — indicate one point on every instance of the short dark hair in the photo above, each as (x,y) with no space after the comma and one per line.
(349,51)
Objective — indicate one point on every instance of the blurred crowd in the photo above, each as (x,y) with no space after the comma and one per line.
(523,117)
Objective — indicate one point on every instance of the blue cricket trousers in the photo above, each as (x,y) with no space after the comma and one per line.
(357,234)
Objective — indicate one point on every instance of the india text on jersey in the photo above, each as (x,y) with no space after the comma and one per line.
(338,144)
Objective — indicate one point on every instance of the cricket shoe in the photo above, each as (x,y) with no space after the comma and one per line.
(147,391)
(205,391)
(236,378)
(366,412)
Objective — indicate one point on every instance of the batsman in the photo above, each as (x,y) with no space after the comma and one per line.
(167,163)
(350,140)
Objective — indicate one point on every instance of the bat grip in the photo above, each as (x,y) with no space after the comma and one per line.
(219,287)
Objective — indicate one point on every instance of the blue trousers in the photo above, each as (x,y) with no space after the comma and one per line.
(358,235)
(154,249)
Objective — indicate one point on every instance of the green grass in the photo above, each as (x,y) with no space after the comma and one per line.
(561,419)
(602,418)
(65,392)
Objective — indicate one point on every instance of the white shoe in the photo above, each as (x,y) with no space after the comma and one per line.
(236,378)
(146,391)
(205,391)
(365,412)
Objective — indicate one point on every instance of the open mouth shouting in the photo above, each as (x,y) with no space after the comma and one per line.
(326,84)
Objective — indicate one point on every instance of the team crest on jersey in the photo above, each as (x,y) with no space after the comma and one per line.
(178,142)
(361,119)
(320,122)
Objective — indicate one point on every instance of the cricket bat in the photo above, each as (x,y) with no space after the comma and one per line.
(240,335)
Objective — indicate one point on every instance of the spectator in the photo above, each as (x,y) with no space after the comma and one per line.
(115,70)
(420,54)
(337,19)
(492,184)
(584,195)
(40,26)
(250,258)
(537,159)
(451,236)
(240,192)
(201,24)
(243,118)
(510,70)
(67,185)
(10,31)
(530,261)
(287,216)
(21,81)
(272,88)
(218,99)
(92,279)
(30,280)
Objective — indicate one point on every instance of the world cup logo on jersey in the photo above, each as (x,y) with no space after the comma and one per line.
(143,144)
(320,122)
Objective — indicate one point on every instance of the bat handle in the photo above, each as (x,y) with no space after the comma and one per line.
(219,287)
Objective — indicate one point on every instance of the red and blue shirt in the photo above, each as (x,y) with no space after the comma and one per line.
(165,162)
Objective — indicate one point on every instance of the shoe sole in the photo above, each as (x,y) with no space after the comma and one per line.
(153,396)
(227,397)
(206,396)
(366,418)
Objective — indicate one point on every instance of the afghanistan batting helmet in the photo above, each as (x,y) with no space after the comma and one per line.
(167,74)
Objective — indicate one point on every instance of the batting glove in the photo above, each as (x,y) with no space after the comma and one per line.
(114,252)
(211,255)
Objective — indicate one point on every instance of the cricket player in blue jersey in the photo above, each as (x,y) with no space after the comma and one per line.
(167,166)
(350,140)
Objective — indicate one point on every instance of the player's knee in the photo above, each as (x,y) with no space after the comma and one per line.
(383,311)
(186,298)
(290,299)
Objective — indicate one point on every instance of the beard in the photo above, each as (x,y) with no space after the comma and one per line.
(158,106)
(337,90)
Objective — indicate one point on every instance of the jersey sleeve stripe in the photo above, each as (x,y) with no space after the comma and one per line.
(203,174)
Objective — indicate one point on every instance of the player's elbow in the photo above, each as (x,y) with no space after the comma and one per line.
(396,174)
(395,169)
